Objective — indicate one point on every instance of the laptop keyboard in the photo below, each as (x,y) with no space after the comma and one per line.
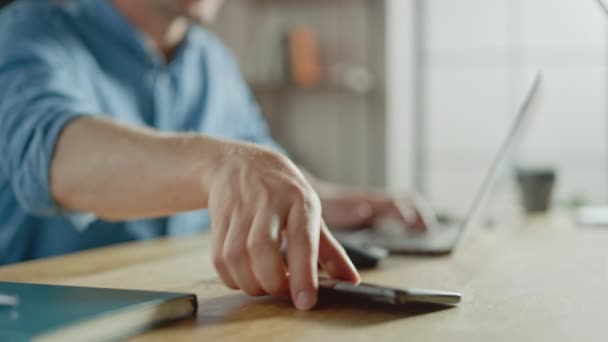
(397,232)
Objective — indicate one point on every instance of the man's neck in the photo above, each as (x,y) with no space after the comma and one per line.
(163,32)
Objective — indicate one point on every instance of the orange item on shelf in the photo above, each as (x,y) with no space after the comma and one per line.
(304,56)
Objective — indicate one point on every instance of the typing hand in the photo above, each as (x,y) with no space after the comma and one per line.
(257,198)
(344,209)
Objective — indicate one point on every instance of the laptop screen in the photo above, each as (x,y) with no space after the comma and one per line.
(523,113)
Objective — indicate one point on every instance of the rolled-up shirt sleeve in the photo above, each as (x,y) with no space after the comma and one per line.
(38,98)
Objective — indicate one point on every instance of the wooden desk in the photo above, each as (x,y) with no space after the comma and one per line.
(539,280)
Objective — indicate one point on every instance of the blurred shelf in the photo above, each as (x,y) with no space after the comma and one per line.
(281,88)
(309,2)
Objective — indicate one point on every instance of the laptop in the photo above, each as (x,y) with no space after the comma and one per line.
(442,238)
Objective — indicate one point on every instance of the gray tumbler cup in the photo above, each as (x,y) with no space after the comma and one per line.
(536,187)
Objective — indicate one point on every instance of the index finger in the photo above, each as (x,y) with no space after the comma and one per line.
(333,258)
(303,229)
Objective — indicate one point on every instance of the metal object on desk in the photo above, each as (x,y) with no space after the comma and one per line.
(8,305)
(8,300)
(592,216)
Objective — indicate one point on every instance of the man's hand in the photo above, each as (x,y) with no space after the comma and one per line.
(343,209)
(257,198)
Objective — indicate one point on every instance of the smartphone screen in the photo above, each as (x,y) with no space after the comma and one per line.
(385,295)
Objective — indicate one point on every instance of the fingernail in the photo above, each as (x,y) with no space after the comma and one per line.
(306,300)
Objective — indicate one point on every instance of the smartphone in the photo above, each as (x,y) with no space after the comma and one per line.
(376,294)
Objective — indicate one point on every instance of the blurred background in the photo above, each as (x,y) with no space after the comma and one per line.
(418,94)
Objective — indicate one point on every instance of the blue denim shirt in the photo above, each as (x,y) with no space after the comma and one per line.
(62,60)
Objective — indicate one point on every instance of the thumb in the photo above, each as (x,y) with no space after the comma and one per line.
(333,258)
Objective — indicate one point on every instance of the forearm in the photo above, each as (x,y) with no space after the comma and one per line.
(120,172)
(254,196)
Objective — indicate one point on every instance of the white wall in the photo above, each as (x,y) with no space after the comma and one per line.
(480,54)
(399,95)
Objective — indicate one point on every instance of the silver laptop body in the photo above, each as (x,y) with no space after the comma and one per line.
(443,238)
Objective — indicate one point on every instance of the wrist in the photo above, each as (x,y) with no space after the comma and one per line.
(204,157)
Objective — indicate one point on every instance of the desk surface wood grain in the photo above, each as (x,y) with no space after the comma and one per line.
(537,279)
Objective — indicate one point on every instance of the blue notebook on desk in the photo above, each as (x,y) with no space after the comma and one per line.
(68,313)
